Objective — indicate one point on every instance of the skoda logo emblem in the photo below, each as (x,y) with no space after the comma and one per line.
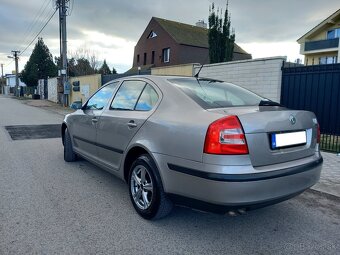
(292,119)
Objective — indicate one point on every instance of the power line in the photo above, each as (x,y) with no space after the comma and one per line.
(39,32)
(39,14)
(9,63)
(44,20)
(47,19)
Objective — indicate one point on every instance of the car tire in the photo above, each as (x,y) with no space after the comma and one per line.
(147,194)
(69,155)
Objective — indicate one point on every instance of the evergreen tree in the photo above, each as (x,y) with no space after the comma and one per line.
(114,70)
(104,69)
(39,66)
(221,39)
(81,67)
(77,67)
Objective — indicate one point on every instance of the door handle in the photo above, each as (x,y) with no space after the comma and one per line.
(131,124)
(94,120)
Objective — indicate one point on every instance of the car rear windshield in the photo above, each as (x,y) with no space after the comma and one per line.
(216,94)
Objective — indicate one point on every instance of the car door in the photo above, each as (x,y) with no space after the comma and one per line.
(84,127)
(132,105)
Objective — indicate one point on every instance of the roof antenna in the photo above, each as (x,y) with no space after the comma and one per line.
(196,75)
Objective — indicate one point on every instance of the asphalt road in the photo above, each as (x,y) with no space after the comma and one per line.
(48,206)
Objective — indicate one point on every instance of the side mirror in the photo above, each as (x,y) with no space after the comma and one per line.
(76,105)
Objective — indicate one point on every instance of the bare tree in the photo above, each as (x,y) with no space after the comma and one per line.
(94,62)
(85,61)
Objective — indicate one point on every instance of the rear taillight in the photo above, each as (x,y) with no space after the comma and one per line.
(225,136)
(318,139)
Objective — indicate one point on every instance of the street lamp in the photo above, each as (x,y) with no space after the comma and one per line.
(16,58)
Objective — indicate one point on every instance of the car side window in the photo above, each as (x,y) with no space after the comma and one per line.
(127,95)
(147,100)
(100,99)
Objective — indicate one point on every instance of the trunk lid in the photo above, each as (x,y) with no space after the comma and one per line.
(263,125)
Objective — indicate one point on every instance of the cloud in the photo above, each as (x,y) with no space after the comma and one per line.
(273,49)
(112,27)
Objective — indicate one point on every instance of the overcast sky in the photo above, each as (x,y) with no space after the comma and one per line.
(111,28)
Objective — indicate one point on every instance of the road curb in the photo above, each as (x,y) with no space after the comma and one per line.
(324,194)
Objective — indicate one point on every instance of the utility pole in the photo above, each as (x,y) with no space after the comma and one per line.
(2,78)
(16,58)
(61,4)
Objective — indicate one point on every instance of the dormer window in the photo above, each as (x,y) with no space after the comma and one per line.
(152,35)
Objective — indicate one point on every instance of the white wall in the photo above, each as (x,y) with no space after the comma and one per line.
(5,90)
(40,88)
(52,84)
(262,76)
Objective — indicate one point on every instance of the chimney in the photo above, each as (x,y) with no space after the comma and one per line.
(201,23)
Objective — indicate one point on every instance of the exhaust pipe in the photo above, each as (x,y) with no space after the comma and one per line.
(234,213)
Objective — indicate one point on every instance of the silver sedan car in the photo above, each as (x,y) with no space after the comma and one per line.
(202,143)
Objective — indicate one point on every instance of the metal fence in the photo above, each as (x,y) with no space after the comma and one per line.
(316,88)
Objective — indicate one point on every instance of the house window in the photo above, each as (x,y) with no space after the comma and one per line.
(328,60)
(166,55)
(152,35)
(137,58)
(145,56)
(334,33)
(153,57)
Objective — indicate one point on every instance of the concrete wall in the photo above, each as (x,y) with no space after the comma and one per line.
(88,85)
(184,70)
(6,90)
(41,88)
(262,76)
(52,84)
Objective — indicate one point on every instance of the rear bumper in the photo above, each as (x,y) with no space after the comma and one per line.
(237,190)
(222,209)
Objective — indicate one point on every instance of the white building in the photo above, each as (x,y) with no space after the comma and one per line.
(10,81)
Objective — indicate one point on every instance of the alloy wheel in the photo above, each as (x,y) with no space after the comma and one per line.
(141,187)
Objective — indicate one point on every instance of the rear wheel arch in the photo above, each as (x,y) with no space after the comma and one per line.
(131,156)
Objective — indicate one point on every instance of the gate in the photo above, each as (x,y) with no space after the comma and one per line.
(315,88)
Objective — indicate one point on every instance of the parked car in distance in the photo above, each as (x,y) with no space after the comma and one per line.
(198,142)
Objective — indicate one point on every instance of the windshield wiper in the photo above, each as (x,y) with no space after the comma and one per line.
(269,103)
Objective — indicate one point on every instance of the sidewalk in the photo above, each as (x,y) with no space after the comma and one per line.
(48,105)
(330,175)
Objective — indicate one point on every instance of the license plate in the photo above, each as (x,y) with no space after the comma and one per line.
(288,139)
